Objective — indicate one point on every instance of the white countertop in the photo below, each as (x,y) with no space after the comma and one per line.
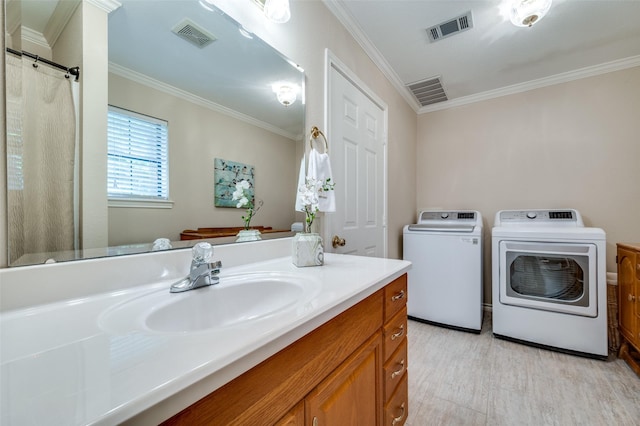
(59,365)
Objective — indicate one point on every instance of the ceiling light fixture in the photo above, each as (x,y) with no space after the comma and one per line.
(277,11)
(285,93)
(525,13)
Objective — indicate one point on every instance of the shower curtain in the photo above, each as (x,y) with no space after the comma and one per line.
(43,164)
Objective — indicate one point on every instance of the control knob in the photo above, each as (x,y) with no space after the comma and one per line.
(444,215)
(532,215)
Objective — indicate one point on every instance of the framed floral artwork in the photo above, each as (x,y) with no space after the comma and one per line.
(226,175)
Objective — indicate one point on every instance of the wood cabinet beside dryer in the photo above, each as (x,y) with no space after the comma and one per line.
(628,259)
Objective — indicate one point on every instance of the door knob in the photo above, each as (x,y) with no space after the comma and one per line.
(337,241)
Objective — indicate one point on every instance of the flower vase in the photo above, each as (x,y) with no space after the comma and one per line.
(248,235)
(307,250)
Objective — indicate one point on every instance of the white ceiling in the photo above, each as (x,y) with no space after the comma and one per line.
(576,38)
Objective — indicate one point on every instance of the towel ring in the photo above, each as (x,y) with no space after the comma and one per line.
(315,132)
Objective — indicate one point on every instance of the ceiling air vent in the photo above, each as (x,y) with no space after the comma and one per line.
(193,33)
(428,92)
(450,27)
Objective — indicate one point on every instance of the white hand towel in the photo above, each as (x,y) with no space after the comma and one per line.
(320,169)
(301,182)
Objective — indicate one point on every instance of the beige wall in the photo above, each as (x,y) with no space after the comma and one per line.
(197,135)
(572,145)
(311,30)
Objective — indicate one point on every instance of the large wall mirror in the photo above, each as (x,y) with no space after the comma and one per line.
(222,92)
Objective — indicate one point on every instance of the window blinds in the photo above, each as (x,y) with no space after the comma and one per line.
(137,156)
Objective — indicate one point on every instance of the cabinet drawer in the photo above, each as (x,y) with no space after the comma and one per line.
(395,297)
(397,408)
(395,332)
(394,369)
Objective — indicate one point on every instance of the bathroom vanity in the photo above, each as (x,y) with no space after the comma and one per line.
(356,360)
(103,341)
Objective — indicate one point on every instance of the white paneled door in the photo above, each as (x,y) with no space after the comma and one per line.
(358,135)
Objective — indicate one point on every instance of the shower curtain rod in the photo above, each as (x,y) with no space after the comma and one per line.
(73,71)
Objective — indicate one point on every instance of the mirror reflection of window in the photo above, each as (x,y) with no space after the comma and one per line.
(138,162)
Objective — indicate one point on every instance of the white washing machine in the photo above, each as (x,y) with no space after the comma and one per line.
(549,281)
(445,280)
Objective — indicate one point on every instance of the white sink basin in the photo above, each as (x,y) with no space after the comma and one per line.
(237,299)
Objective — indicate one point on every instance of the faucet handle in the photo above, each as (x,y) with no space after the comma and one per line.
(202,253)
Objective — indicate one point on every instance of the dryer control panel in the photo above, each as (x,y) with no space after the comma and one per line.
(537,217)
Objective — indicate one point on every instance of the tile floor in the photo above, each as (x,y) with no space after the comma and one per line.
(459,378)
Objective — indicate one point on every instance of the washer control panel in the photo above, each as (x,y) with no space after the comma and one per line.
(434,216)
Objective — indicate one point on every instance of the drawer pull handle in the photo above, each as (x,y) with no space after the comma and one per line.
(315,421)
(399,333)
(631,298)
(398,419)
(398,296)
(399,371)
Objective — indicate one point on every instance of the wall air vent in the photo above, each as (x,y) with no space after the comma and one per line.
(193,33)
(428,92)
(450,27)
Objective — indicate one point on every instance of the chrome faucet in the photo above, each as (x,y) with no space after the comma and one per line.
(204,272)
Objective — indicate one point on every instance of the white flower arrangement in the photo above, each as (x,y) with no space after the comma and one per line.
(241,194)
(308,197)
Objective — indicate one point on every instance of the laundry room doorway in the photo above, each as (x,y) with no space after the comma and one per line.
(357,133)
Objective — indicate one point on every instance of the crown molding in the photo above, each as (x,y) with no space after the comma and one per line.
(105,5)
(190,97)
(565,77)
(354,29)
(34,37)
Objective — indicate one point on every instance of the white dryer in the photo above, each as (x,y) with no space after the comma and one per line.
(445,280)
(549,281)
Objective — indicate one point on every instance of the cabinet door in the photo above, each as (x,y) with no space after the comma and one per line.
(626,291)
(352,394)
(295,417)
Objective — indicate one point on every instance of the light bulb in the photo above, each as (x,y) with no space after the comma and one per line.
(277,11)
(286,95)
(525,13)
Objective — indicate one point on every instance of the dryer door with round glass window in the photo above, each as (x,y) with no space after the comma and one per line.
(558,277)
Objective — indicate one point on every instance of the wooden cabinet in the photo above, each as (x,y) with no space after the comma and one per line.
(628,258)
(395,381)
(351,395)
(350,371)
(295,417)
